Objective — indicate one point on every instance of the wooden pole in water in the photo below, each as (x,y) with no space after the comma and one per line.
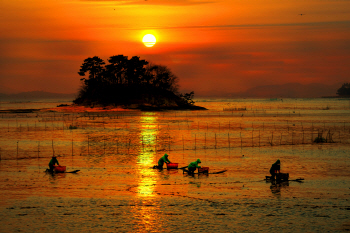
(104,145)
(228,138)
(303,136)
(205,140)
(195,142)
(215,140)
(88,145)
(272,139)
(240,135)
(183,143)
(259,137)
(281,139)
(53,150)
(129,145)
(252,138)
(169,143)
(17,150)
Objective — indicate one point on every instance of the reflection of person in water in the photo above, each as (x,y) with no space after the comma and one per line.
(276,187)
(275,168)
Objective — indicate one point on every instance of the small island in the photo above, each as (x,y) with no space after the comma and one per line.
(131,83)
(344,90)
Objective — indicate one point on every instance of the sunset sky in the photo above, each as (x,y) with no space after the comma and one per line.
(213,46)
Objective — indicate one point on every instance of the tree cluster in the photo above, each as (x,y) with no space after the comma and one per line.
(124,81)
(344,90)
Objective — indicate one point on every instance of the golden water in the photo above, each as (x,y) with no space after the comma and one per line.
(116,189)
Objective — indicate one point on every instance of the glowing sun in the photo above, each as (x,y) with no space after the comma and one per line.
(149,40)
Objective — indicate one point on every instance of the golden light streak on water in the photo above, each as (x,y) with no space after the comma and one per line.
(147,155)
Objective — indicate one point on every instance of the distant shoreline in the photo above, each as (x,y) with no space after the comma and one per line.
(332,97)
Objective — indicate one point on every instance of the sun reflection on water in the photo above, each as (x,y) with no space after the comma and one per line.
(147,155)
(147,177)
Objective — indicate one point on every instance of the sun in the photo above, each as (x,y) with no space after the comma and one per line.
(149,40)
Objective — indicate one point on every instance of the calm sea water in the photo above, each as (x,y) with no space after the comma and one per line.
(116,189)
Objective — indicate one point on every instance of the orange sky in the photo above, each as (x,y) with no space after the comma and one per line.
(213,46)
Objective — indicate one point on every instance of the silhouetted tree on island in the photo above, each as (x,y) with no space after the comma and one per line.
(344,90)
(126,81)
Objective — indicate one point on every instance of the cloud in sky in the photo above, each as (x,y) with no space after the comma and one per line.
(212,46)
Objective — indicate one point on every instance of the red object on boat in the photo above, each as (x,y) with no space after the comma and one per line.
(203,170)
(60,169)
(172,165)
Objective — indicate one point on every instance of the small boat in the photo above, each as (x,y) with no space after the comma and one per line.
(203,170)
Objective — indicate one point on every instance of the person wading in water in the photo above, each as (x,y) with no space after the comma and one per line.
(52,163)
(162,160)
(275,168)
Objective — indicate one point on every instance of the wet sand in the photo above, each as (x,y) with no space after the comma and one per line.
(116,189)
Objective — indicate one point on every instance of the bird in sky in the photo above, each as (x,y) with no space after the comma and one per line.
(301,14)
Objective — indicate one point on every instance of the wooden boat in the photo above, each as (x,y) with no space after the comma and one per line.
(205,171)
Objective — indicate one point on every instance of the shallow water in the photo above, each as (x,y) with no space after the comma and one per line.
(116,189)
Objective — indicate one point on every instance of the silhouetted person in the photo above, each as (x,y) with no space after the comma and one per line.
(275,168)
(52,163)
